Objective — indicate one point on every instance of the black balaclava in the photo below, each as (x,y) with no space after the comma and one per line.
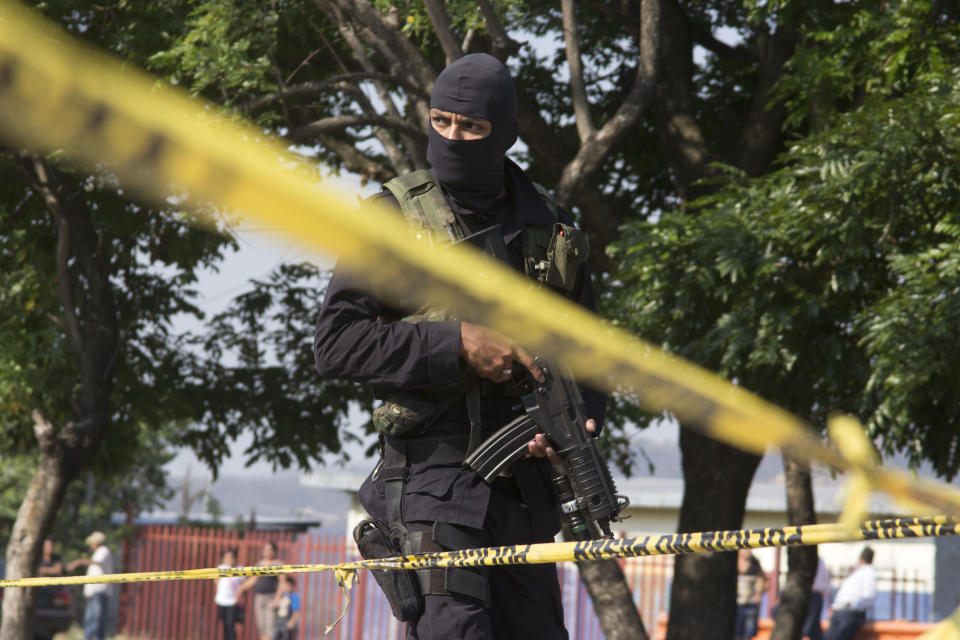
(471,171)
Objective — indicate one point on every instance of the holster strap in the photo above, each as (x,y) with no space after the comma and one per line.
(455,581)
(471,583)
(443,537)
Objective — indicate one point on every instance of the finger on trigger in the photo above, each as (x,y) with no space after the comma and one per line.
(524,357)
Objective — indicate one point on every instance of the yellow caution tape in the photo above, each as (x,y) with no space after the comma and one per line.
(850,439)
(551,552)
(948,629)
(58,94)
(346,578)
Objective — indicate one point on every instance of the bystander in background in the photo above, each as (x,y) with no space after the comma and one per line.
(229,610)
(51,565)
(751,583)
(819,595)
(264,590)
(287,605)
(99,563)
(854,599)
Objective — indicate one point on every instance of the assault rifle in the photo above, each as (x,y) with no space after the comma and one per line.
(585,489)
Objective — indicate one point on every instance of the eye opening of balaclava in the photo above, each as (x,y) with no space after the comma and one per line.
(471,171)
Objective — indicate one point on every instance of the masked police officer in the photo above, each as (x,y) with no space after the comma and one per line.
(444,382)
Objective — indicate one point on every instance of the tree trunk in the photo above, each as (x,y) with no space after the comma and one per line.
(717,479)
(34,518)
(795,596)
(89,320)
(618,615)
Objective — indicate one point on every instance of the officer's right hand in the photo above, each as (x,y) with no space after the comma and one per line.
(492,354)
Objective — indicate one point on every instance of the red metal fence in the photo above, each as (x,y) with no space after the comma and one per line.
(184,610)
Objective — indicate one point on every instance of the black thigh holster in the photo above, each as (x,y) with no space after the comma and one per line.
(405,589)
(375,539)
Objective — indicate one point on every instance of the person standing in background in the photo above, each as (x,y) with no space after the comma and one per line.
(51,566)
(264,589)
(99,563)
(287,605)
(751,583)
(819,595)
(229,611)
(854,598)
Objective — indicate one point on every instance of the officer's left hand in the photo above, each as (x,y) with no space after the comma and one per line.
(538,447)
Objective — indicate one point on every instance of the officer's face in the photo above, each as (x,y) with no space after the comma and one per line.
(455,126)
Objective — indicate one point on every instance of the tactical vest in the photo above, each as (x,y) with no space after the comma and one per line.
(552,254)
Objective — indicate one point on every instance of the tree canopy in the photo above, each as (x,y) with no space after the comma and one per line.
(828,284)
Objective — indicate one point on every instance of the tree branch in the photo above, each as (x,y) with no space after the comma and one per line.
(601,224)
(339,123)
(503,45)
(595,151)
(404,58)
(41,179)
(417,91)
(578,89)
(549,151)
(335,83)
(704,37)
(761,138)
(441,25)
(44,430)
(689,156)
(468,40)
(355,161)
(397,158)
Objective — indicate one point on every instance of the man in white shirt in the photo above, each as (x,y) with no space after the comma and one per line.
(99,563)
(855,597)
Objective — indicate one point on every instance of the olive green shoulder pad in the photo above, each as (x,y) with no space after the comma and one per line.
(424,207)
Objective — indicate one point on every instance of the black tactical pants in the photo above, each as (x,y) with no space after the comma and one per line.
(525,601)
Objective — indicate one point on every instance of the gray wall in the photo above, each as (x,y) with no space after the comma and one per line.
(946,592)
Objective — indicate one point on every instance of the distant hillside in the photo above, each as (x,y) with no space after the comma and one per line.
(279,494)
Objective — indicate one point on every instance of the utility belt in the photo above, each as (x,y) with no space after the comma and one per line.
(405,590)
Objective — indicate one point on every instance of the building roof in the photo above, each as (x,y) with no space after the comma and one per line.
(650,492)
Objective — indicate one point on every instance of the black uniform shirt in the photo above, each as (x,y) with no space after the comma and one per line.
(359,338)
